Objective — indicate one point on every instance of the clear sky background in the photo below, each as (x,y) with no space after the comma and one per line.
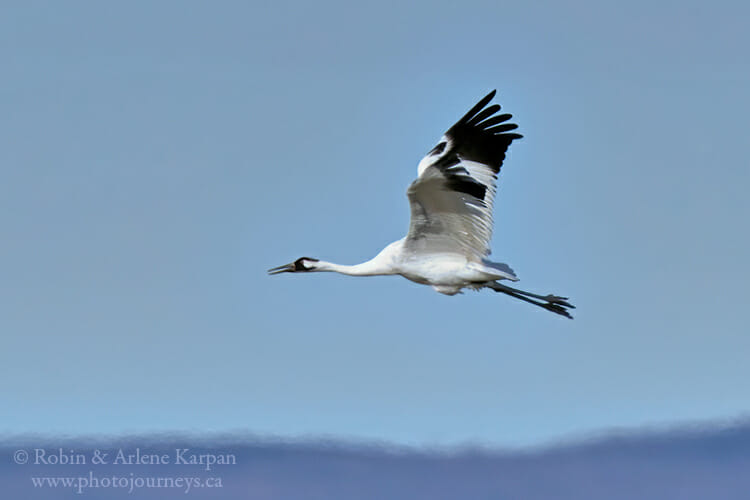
(157,158)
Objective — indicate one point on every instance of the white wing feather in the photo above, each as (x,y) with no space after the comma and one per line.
(453,197)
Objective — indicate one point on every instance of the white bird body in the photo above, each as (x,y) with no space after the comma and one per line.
(447,273)
(451,216)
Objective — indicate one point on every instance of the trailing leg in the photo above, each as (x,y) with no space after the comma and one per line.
(554,299)
(552,303)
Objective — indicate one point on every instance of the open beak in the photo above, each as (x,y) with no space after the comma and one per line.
(286,268)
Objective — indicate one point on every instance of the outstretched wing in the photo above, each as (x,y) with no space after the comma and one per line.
(452,198)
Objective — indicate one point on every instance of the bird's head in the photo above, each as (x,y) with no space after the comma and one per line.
(301,265)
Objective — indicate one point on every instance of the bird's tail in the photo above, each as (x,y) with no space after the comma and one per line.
(497,270)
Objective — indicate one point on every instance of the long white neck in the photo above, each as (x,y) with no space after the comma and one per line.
(374,267)
(383,263)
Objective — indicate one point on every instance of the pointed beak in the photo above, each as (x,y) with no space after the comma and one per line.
(286,268)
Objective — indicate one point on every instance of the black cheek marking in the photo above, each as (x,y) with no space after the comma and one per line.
(299,263)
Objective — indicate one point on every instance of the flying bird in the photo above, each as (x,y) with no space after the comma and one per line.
(451,216)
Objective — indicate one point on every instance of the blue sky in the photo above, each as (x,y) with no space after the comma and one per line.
(158,158)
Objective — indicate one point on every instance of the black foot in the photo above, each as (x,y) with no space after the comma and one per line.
(563,301)
(558,309)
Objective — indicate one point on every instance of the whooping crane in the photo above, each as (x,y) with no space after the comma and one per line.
(451,216)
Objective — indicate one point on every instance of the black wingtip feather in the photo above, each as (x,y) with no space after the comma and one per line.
(502,128)
(478,107)
(478,136)
(494,121)
(487,112)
